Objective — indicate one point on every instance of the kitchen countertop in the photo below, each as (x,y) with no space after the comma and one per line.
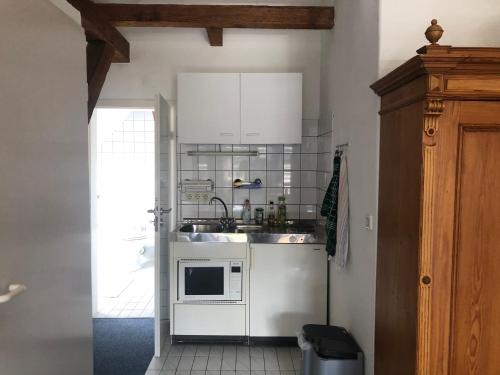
(295,232)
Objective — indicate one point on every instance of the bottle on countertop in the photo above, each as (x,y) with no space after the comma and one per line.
(271,215)
(247,212)
(281,218)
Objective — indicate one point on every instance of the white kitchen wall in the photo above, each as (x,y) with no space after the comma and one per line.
(158,54)
(288,170)
(349,66)
(371,38)
(466,23)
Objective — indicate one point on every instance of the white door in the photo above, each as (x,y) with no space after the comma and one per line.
(271,108)
(44,193)
(163,214)
(208,107)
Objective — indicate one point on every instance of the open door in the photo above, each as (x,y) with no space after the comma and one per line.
(164,218)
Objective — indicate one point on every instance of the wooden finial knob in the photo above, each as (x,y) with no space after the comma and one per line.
(434,32)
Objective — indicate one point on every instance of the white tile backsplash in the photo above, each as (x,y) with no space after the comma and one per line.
(308,195)
(274,162)
(291,162)
(308,162)
(206,163)
(292,195)
(241,162)
(224,179)
(224,163)
(308,179)
(258,162)
(289,170)
(291,179)
(274,179)
(274,149)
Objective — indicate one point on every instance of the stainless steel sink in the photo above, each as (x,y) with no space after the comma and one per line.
(201,228)
(211,230)
(217,228)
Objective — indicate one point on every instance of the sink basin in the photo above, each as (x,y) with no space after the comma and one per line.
(216,228)
(201,228)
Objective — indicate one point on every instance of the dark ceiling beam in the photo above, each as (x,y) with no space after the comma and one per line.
(218,16)
(99,58)
(215,36)
(97,28)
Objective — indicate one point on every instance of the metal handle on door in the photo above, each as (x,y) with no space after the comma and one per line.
(161,211)
(14,291)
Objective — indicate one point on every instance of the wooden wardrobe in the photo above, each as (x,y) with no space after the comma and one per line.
(438,266)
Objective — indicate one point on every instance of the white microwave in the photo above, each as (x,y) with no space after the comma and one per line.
(210,280)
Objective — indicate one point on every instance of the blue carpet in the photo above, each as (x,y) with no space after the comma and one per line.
(123,346)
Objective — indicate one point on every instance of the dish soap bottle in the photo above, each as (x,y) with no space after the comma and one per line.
(281,219)
(247,212)
(271,215)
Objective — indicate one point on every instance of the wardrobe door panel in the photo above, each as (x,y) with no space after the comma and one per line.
(475,341)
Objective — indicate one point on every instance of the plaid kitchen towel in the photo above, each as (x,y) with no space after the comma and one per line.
(330,206)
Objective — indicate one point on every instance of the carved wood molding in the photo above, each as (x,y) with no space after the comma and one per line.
(432,111)
(425,260)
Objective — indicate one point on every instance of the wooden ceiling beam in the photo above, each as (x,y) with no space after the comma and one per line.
(218,16)
(215,36)
(99,58)
(97,28)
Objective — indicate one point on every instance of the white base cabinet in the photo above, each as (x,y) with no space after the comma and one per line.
(209,320)
(288,286)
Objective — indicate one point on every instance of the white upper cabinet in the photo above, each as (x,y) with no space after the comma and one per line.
(247,108)
(208,108)
(271,108)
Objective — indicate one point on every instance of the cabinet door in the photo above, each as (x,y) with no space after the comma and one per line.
(208,107)
(287,288)
(271,107)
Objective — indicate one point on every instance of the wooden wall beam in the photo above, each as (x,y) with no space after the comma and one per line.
(98,28)
(218,16)
(215,36)
(99,58)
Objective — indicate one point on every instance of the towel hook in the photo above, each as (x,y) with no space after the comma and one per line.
(340,146)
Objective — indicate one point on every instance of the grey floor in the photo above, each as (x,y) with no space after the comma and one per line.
(226,360)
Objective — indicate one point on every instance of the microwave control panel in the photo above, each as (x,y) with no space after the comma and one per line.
(235,277)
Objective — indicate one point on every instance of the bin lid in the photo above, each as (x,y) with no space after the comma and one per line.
(331,342)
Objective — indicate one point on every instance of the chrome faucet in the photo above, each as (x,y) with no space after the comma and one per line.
(227,223)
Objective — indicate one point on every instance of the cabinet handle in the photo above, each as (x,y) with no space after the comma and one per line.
(253,134)
(226,134)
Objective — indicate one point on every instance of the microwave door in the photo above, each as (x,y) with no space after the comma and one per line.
(204,281)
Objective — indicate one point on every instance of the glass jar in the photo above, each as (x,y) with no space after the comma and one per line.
(259,216)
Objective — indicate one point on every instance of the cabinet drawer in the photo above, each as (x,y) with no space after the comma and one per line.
(209,320)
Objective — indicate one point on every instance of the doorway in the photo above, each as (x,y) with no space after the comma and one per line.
(123,235)
(132,168)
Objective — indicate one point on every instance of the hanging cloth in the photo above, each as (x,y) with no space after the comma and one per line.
(342,246)
(329,206)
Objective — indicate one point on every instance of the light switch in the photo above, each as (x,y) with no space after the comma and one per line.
(369,222)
